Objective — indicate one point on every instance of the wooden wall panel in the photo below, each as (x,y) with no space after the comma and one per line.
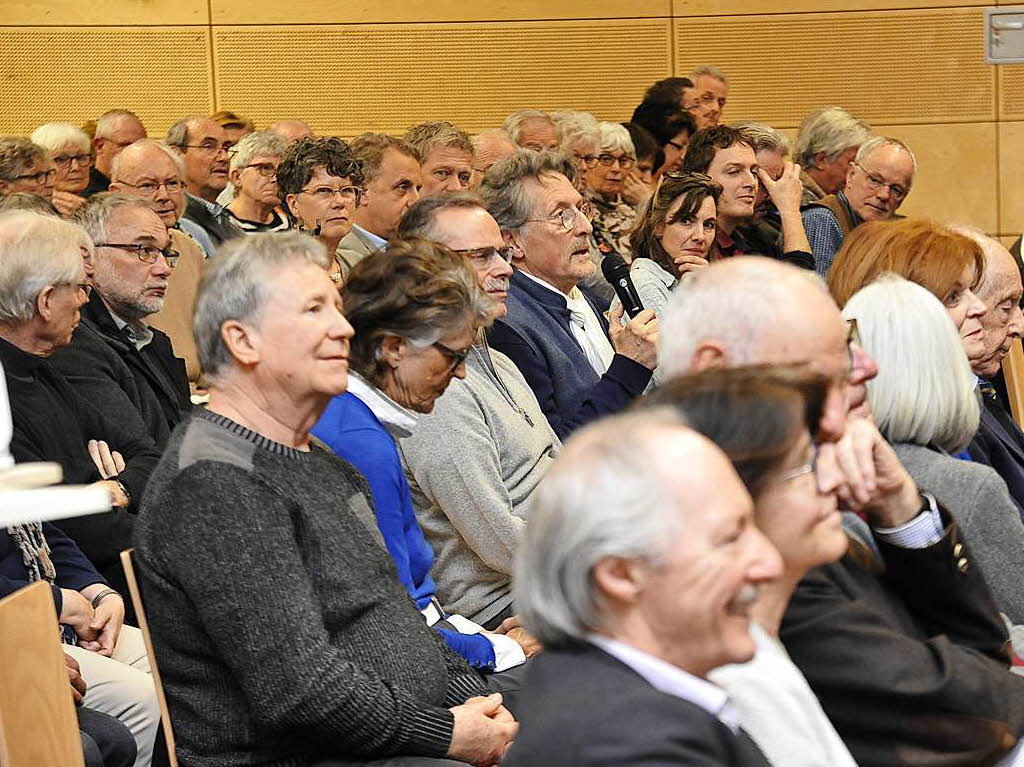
(375,12)
(161,73)
(347,79)
(783,66)
(730,7)
(1011,189)
(1011,91)
(38,13)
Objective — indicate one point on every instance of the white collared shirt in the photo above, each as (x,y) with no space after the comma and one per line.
(585,327)
(376,242)
(672,680)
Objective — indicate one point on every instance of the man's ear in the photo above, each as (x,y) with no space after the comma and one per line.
(391,350)
(513,240)
(235,175)
(289,205)
(709,354)
(44,303)
(819,160)
(242,342)
(620,579)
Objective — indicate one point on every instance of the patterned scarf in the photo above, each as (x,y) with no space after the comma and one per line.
(35,555)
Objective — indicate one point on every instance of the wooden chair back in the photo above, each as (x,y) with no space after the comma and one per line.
(38,724)
(140,614)
(1013,374)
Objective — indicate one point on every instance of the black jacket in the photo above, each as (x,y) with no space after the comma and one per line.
(999,443)
(147,388)
(219,227)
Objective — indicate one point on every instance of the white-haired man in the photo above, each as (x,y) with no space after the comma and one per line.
(911,668)
(825,146)
(531,129)
(115,130)
(638,569)
(489,147)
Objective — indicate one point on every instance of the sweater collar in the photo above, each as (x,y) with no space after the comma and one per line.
(249,435)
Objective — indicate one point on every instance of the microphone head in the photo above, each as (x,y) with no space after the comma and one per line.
(614,268)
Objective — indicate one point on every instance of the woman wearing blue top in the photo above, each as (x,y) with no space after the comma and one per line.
(416,308)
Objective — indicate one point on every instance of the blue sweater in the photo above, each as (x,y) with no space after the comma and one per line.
(355,434)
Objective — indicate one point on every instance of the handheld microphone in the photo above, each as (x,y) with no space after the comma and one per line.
(616,272)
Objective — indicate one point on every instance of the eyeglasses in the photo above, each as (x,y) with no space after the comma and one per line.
(149,188)
(42,177)
(587,160)
(211,146)
(565,217)
(64,160)
(799,471)
(876,182)
(147,254)
(325,194)
(482,257)
(265,169)
(455,357)
(625,162)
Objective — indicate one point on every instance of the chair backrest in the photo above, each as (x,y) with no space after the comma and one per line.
(140,614)
(1013,374)
(37,714)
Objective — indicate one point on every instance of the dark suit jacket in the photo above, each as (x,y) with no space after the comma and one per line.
(584,708)
(535,335)
(999,443)
(97,183)
(148,388)
(910,664)
(219,227)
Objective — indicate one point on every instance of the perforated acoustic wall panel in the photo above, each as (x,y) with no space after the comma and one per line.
(75,74)
(347,79)
(885,66)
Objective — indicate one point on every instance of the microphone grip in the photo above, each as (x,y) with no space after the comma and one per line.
(627,294)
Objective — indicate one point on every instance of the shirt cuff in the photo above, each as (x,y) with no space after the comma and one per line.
(507,652)
(922,531)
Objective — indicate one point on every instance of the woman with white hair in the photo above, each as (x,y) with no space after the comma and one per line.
(71,152)
(256,203)
(924,403)
(613,217)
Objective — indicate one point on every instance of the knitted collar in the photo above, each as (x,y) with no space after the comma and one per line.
(251,436)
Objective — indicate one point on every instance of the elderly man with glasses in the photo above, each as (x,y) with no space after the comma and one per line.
(579,365)
(126,368)
(204,145)
(24,167)
(256,206)
(877,182)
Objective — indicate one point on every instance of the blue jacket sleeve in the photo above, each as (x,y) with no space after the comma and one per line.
(74,570)
(475,648)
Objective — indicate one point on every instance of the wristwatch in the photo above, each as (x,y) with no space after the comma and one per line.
(127,495)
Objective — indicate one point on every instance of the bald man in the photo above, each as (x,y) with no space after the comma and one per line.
(489,147)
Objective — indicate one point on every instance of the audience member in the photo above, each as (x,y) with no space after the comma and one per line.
(154,172)
(115,130)
(245,510)
(765,420)
(613,217)
(391,168)
(70,152)
(878,180)
(126,369)
(999,442)
(446,156)
(204,146)
(253,172)
(416,309)
(474,463)
(235,126)
(669,91)
(727,156)
(925,406)
(706,100)
(105,741)
(532,129)
(578,365)
(24,167)
(825,146)
(489,147)
(292,130)
(640,183)
(28,201)
(320,183)
(911,667)
(42,286)
(638,572)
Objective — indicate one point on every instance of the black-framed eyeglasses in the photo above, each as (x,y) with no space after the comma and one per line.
(65,160)
(876,182)
(564,217)
(42,177)
(482,257)
(326,194)
(587,160)
(150,188)
(625,162)
(211,147)
(456,358)
(799,471)
(147,254)
(265,169)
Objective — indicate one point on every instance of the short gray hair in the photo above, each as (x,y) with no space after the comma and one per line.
(95,215)
(421,217)
(878,142)
(176,158)
(602,498)
(514,123)
(36,250)
(256,144)
(710,71)
(106,121)
(763,137)
(615,138)
(831,130)
(177,134)
(236,285)
(736,301)
(502,189)
(18,154)
(574,127)
(53,136)
(924,390)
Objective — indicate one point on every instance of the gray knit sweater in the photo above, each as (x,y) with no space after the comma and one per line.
(473,464)
(280,627)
